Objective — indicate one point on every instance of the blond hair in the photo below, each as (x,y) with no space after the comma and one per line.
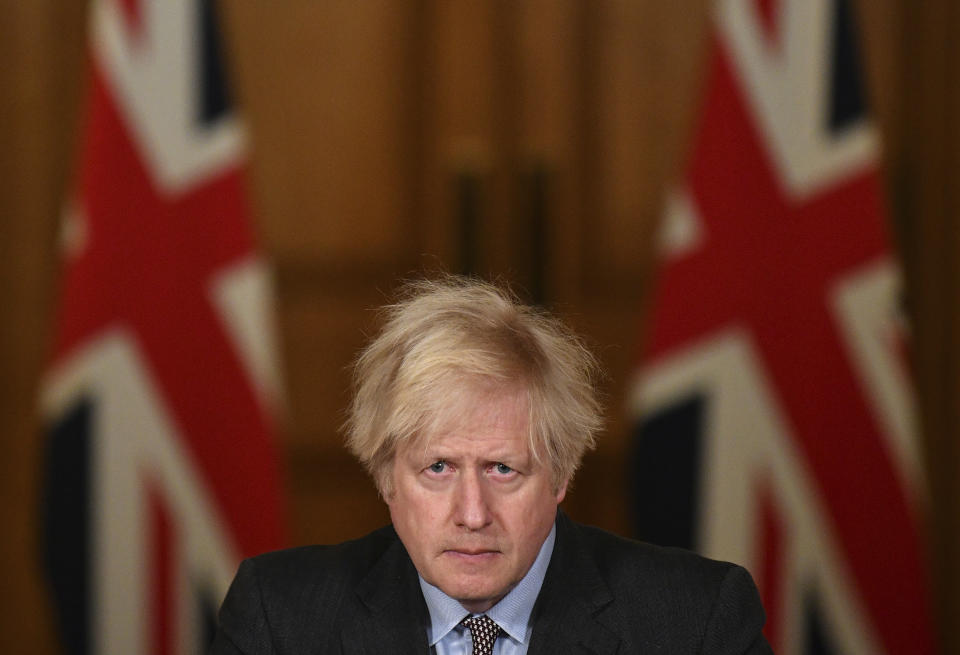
(446,332)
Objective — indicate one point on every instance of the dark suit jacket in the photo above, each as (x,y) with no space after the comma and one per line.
(602,594)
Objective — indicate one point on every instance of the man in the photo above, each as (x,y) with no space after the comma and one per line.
(471,413)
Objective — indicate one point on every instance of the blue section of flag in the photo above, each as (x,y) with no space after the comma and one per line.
(207,610)
(665,470)
(215,99)
(847,101)
(816,637)
(66,515)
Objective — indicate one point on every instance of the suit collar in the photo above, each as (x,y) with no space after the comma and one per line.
(573,614)
(395,616)
(574,610)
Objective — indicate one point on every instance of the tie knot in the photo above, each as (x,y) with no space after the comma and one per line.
(483,632)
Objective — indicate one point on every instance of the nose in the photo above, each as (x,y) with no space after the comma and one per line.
(472,510)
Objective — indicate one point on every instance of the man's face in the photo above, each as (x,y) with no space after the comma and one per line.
(470,503)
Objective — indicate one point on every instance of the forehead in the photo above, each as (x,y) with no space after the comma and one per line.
(490,417)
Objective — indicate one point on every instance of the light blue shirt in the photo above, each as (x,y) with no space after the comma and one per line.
(512,613)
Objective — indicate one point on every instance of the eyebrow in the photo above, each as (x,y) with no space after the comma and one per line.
(513,458)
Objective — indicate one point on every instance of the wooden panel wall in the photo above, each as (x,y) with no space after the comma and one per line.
(40,48)
(530,140)
(924,172)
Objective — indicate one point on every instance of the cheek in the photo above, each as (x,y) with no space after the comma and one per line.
(405,523)
(415,509)
(537,514)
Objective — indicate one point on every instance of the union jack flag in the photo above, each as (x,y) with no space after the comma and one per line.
(161,465)
(774,400)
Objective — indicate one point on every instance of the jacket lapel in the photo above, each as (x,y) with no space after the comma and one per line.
(394,616)
(573,613)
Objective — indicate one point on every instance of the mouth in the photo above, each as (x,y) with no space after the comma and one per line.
(471,554)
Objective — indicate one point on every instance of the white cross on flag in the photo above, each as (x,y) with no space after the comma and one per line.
(161,467)
(775,417)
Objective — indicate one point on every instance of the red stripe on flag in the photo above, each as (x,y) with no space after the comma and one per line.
(771,572)
(132,10)
(769,13)
(162,576)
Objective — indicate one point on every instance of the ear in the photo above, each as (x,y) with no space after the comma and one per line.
(384,483)
(385,488)
(562,491)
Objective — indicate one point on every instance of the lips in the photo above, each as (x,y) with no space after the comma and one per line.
(477,555)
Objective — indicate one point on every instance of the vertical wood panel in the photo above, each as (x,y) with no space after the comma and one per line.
(323,86)
(647,96)
(549,145)
(881,25)
(461,89)
(925,168)
(41,44)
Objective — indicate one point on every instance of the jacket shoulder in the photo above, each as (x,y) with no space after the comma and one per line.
(624,561)
(298,596)
(674,596)
(305,566)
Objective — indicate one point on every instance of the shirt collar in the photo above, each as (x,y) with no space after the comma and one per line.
(513,611)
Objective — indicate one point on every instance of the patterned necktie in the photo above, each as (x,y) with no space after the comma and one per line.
(483,632)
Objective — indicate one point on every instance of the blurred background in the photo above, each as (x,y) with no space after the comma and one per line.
(531,141)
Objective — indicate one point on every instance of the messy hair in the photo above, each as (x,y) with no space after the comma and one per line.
(446,334)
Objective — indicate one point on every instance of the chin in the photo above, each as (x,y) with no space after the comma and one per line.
(477,592)
(477,603)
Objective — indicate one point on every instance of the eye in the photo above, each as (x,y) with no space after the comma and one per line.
(502,468)
(437,467)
